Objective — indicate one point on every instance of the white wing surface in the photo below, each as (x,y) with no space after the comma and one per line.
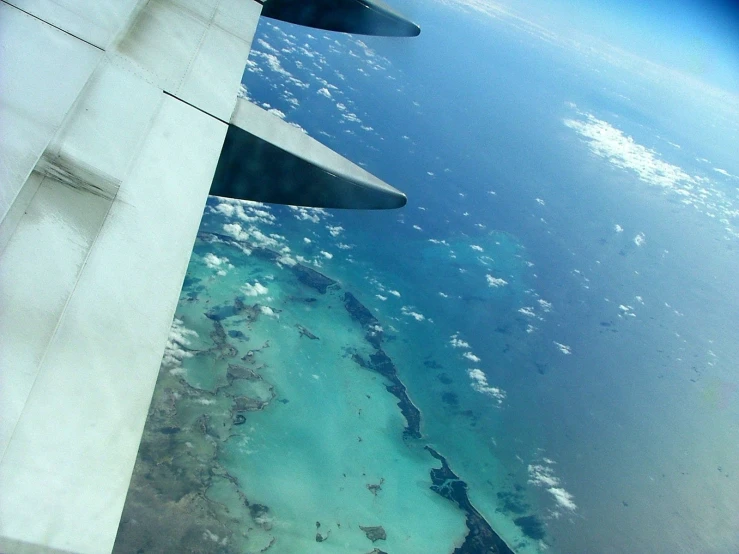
(113,116)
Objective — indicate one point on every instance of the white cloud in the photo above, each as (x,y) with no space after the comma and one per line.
(264,44)
(456,342)
(245,210)
(723,172)
(545,306)
(618,228)
(254,290)
(417,228)
(481,385)
(175,349)
(477,248)
(383,298)
(335,231)
(408,310)
(327,255)
(352,117)
(266,310)
(563,498)
(471,357)
(278,113)
(273,63)
(622,151)
(528,311)
(287,260)
(314,215)
(214,262)
(324,92)
(394,293)
(562,347)
(542,475)
(495,282)
(639,239)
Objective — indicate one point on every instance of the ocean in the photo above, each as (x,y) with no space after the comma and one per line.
(537,353)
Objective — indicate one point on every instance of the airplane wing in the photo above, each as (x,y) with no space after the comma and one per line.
(117,118)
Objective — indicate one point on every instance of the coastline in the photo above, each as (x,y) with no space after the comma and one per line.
(194,489)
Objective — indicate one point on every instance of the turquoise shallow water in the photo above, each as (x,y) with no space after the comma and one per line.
(278,422)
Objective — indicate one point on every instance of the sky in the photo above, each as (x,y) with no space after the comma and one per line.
(697,38)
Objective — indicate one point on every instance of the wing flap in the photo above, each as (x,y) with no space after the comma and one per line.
(363,17)
(266,159)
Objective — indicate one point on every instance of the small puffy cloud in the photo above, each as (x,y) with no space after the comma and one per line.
(481,385)
(175,349)
(266,310)
(327,255)
(351,117)
(495,282)
(214,262)
(417,228)
(264,44)
(540,202)
(456,342)
(236,231)
(562,347)
(542,475)
(383,298)
(408,310)
(477,248)
(306,240)
(471,357)
(528,311)
(278,113)
(640,239)
(314,215)
(287,260)
(254,290)
(324,92)
(545,306)
(618,228)
(335,231)
(245,210)
(563,498)
(394,293)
